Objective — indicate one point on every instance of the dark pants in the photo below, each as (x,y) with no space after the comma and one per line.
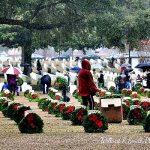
(86,99)
(12,88)
(65,98)
(101,84)
(148,84)
(39,72)
(47,87)
(64,94)
(121,86)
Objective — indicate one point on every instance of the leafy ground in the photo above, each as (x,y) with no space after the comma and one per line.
(61,135)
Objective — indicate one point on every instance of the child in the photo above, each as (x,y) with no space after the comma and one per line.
(5,86)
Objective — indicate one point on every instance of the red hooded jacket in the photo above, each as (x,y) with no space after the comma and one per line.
(86,84)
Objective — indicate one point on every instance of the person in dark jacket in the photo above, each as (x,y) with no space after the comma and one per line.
(64,94)
(45,81)
(68,80)
(101,80)
(39,67)
(86,85)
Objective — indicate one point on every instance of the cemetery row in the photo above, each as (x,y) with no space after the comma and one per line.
(110,107)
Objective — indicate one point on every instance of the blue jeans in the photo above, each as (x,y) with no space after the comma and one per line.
(128,85)
(117,88)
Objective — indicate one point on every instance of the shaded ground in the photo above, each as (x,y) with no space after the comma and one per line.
(61,135)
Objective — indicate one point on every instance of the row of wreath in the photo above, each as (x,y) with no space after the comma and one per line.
(79,116)
(33,96)
(27,120)
(93,122)
(134,116)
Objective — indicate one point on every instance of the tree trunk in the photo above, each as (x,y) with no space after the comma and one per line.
(130,49)
(26,59)
(126,47)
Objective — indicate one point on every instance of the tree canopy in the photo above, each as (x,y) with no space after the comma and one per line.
(73,23)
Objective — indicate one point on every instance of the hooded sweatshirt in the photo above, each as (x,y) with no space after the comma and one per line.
(86,84)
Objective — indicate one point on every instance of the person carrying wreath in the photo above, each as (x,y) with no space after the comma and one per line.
(86,86)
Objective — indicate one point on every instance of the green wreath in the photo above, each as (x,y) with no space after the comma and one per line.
(19,114)
(95,123)
(148,94)
(145,105)
(4,108)
(11,110)
(51,94)
(41,102)
(67,111)
(136,116)
(125,110)
(44,105)
(146,124)
(2,101)
(58,110)
(19,81)
(32,123)
(78,115)
(26,93)
(51,107)
(61,81)
(137,86)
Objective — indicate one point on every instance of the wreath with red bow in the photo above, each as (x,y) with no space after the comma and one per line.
(95,123)
(31,123)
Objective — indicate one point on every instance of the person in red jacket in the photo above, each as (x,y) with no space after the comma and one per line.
(86,85)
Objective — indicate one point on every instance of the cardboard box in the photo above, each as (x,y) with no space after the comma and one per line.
(112,110)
